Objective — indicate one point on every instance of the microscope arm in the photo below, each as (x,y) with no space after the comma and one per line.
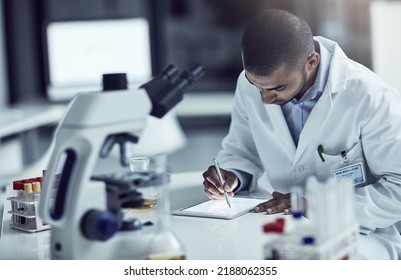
(120,139)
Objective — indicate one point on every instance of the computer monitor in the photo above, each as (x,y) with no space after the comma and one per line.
(80,52)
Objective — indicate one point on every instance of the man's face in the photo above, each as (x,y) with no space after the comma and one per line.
(281,86)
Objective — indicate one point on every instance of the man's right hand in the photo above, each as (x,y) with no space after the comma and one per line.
(212,185)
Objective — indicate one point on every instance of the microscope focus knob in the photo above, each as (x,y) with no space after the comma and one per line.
(99,225)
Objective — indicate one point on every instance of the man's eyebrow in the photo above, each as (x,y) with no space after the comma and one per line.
(273,88)
(277,87)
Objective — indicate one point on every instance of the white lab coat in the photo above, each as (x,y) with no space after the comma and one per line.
(357,113)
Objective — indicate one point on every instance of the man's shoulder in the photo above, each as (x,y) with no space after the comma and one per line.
(242,82)
(363,77)
(241,75)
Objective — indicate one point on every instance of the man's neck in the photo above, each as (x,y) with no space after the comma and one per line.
(312,78)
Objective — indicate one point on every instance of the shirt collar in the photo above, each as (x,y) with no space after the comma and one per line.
(316,90)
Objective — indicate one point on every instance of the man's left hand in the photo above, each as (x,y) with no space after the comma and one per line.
(280,203)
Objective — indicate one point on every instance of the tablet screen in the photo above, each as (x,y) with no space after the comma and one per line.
(220,209)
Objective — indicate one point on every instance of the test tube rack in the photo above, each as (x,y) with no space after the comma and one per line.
(25,206)
(329,233)
(342,246)
(25,215)
(336,227)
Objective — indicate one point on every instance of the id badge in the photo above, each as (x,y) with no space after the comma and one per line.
(353,171)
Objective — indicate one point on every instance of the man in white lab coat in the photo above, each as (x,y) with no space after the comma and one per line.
(301,106)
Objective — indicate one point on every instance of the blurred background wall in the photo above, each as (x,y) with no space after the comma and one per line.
(183,32)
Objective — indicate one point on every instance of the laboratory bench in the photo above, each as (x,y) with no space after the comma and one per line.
(203,238)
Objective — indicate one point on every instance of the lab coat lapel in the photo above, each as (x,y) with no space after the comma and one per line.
(280,126)
(335,84)
(315,120)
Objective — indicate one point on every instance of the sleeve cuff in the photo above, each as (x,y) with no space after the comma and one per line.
(244,179)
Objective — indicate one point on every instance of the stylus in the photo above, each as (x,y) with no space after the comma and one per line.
(217,166)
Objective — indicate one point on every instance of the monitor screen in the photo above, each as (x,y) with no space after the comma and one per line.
(80,52)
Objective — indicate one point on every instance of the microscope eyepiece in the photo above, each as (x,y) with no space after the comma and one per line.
(169,72)
(115,81)
(196,72)
(166,93)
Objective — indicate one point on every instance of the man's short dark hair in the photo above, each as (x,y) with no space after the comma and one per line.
(274,38)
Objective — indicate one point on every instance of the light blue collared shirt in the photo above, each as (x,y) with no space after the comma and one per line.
(296,112)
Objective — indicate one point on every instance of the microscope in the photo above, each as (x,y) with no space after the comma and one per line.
(85,210)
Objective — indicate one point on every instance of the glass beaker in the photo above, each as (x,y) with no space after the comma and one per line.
(155,163)
(139,164)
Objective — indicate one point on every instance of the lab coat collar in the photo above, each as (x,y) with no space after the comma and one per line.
(338,71)
(336,83)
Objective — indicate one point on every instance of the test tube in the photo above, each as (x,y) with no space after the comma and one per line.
(28,191)
(28,188)
(315,195)
(276,230)
(36,187)
(18,187)
(297,202)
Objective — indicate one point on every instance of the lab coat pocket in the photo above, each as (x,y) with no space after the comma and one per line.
(347,164)
(353,153)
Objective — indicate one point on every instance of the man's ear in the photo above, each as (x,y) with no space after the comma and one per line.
(313,60)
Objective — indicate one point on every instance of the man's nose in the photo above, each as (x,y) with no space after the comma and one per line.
(267,97)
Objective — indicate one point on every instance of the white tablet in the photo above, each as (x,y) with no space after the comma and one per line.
(219,208)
